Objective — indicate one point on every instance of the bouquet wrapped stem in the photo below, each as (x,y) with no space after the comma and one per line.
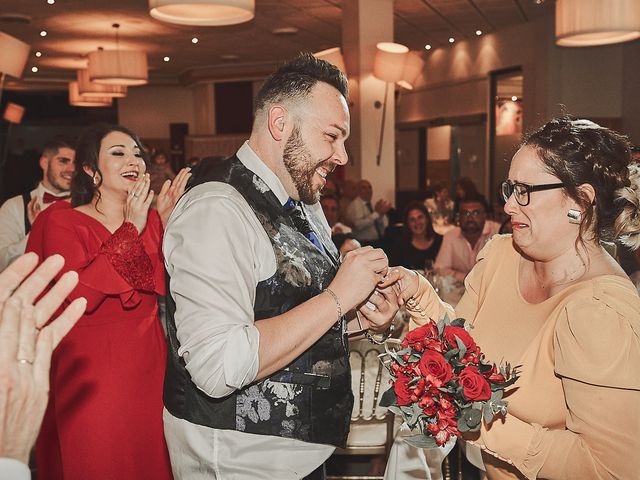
(442,385)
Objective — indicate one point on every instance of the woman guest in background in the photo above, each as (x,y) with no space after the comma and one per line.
(104,418)
(160,171)
(419,242)
(551,299)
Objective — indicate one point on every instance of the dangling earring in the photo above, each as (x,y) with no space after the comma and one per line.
(575,216)
(95,178)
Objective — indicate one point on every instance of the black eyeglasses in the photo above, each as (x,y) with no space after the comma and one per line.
(522,191)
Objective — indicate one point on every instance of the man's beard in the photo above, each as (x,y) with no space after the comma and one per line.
(299,163)
(55,183)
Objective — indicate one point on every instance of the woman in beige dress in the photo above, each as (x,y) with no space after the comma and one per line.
(551,299)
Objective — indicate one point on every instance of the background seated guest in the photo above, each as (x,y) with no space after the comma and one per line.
(331,209)
(368,223)
(160,171)
(551,299)
(440,207)
(460,246)
(419,242)
(26,345)
(18,213)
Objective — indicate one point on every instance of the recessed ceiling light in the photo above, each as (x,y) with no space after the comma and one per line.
(478,32)
(451,39)
(38,54)
(285,31)
(514,99)
(43,33)
(166,59)
(51,2)
(194,40)
(34,69)
(427,47)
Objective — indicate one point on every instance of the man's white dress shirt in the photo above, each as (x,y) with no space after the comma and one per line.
(13,238)
(456,256)
(11,469)
(216,252)
(368,225)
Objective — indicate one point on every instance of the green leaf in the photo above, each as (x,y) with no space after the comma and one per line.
(462,426)
(421,441)
(450,354)
(487,413)
(461,347)
(388,398)
(441,325)
(471,416)
(396,411)
(458,322)
(496,396)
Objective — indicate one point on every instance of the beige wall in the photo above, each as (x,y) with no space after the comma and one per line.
(149,110)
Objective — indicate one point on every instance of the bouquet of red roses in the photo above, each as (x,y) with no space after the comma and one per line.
(442,385)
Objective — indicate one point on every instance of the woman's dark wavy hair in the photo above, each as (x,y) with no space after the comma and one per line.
(581,152)
(83,188)
(417,206)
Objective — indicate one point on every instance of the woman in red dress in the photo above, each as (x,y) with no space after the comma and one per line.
(104,418)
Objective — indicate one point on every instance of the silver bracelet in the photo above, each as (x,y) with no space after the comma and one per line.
(337,300)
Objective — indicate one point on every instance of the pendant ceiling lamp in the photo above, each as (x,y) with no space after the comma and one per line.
(118,67)
(208,13)
(585,23)
(78,100)
(334,57)
(87,88)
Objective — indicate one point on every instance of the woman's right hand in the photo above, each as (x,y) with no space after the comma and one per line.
(358,276)
(136,208)
(405,282)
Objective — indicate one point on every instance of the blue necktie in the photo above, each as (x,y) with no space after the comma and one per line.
(294,209)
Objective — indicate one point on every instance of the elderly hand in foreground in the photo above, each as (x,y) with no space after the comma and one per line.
(170,193)
(404,281)
(26,345)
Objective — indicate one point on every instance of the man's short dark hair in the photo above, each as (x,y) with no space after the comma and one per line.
(53,146)
(295,79)
(474,198)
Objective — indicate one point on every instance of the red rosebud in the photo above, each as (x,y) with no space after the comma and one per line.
(402,389)
(450,333)
(494,376)
(474,385)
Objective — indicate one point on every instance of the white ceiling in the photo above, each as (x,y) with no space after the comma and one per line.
(76,27)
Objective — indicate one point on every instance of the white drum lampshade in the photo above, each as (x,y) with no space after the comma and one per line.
(118,67)
(334,57)
(13,113)
(78,100)
(210,13)
(87,88)
(14,54)
(584,23)
(389,61)
(413,67)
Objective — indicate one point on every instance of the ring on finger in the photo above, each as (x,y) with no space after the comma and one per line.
(24,361)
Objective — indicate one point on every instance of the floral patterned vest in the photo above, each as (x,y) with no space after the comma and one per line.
(309,400)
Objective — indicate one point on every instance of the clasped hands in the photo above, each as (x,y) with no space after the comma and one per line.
(366,284)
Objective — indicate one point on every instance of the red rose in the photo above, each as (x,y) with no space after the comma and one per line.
(494,376)
(450,333)
(433,364)
(416,337)
(402,389)
(474,385)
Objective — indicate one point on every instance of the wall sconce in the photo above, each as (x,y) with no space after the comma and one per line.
(13,114)
(118,67)
(207,13)
(334,57)
(14,54)
(388,66)
(87,88)
(78,100)
(584,23)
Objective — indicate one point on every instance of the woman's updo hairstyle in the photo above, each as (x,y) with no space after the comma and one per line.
(579,152)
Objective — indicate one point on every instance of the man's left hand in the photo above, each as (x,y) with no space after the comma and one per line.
(378,312)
